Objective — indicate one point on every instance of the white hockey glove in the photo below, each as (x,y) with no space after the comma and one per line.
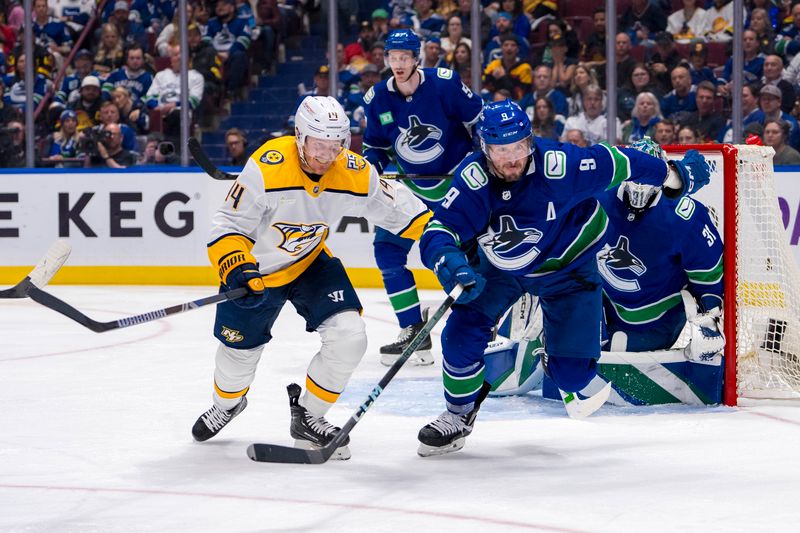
(706,341)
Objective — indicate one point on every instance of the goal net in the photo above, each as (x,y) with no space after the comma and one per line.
(762,281)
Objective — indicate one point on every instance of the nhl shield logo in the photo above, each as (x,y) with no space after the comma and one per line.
(506,195)
(297,238)
(272,157)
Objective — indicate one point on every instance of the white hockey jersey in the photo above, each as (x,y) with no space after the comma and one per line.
(274,214)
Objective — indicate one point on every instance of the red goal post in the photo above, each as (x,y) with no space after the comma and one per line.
(762,319)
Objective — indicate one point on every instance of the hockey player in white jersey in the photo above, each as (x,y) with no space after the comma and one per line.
(269,236)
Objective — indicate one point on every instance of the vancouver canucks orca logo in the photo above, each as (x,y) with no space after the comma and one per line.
(510,247)
(414,143)
(298,238)
(617,259)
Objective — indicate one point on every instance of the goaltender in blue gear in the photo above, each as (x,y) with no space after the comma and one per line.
(532,210)
(420,119)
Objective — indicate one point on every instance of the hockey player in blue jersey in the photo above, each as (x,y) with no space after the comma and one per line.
(420,119)
(531,210)
(656,247)
(662,257)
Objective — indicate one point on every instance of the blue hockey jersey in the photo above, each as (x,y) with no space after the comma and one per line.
(647,261)
(137,84)
(428,132)
(549,220)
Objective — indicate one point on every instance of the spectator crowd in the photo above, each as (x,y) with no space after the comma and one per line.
(106,89)
(115,99)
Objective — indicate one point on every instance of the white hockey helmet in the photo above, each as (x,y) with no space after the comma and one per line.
(639,196)
(321,117)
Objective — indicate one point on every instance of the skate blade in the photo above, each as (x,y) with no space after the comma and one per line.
(418,358)
(342,453)
(428,451)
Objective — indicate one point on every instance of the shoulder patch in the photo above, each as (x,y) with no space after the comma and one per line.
(474,176)
(356,162)
(369,96)
(555,164)
(685,208)
(444,73)
(271,157)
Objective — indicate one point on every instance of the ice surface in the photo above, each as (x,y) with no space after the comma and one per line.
(94,437)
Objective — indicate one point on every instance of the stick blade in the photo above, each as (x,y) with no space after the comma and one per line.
(54,259)
(273,453)
(43,272)
(580,409)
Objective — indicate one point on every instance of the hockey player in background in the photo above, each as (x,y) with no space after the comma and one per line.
(420,119)
(269,237)
(531,207)
(656,247)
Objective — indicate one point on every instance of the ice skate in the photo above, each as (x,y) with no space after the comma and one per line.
(312,432)
(213,420)
(448,432)
(422,356)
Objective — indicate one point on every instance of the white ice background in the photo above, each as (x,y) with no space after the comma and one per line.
(94,437)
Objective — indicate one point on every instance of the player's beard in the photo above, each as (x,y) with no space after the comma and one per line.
(511,171)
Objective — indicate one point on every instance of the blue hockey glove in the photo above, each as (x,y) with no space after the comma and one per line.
(452,268)
(247,275)
(693,171)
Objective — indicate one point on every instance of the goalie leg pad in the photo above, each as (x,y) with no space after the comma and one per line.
(234,372)
(344,342)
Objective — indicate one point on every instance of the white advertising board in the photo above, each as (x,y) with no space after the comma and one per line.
(160,218)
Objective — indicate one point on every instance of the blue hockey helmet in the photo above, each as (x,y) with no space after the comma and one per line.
(506,139)
(503,122)
(404,39)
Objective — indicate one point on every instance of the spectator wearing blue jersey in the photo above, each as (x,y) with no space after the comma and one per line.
(133,75)
(132,113)
(131,25)
(644,117)
(494,48)
(74,13)
(753,63)
(544,87)
(529,206)
(420,120)
(677,103)
(231,38)
(427,23)
(71,84)
(433,56)
(50,32)
(15,93)
(698,53)
(769,100)
(354,102)
(64,143)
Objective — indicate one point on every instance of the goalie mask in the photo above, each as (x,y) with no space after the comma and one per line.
(322,132)
(638,196)
(506,139)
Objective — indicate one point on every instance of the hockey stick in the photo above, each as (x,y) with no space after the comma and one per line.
(212,170)
(273,453)
(59,306)
(43,272)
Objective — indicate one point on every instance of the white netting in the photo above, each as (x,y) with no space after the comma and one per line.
(768,288)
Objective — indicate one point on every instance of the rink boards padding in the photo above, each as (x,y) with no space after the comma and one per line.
(150,225)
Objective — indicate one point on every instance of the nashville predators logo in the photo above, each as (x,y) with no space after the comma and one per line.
(272,157)
(297,238)
(231,335)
